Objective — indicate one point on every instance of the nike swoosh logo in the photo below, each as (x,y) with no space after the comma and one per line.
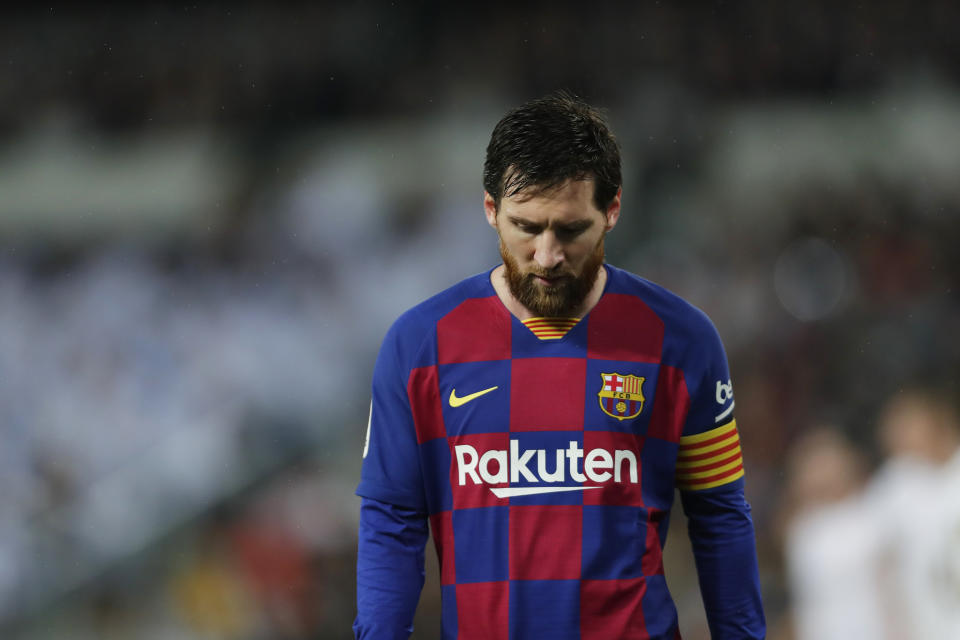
(456,402)
(529,491)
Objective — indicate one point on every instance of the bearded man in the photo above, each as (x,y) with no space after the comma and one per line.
(540,417)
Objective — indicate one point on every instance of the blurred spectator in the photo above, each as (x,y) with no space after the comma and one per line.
(832,541)
(915,498)
(878,557)
(209,592)
(277,567)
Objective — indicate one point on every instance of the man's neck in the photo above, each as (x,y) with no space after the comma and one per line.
(499,281)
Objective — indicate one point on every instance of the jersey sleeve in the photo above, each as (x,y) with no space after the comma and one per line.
(709,454)
(390,570)
(391,470)
(710,477)
(393,520)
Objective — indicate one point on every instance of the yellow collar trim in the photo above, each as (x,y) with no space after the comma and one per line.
(550,328)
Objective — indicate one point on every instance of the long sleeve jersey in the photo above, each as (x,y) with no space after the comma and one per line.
(544,456)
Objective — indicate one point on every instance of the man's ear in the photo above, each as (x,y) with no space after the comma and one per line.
(490,209)
(612,213)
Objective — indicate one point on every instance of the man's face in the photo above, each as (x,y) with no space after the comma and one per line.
(551,243)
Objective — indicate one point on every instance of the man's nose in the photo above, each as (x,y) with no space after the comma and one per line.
(549,252)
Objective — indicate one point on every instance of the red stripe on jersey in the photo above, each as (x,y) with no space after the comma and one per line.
(719,476)
(550,324)
(652,561)
(613,609)
(482,611)
(699,445)
(706,467)
(477,329)
(547,394)
(441,528)
(550,328)
(670,405)
(424,395)
(546,542)
(623,327)
(709,454)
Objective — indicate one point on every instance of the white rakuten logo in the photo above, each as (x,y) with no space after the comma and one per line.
(599,465)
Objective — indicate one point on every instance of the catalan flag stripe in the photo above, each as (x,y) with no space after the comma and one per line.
(550,328)
(709,470)
(554,321)
(709,459)
(710,483)
(690,441)
(711,447)
(709,463)
(709,454)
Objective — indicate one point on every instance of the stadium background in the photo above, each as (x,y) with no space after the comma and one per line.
(209,215)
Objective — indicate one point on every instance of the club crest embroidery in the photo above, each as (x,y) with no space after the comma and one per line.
(621,397)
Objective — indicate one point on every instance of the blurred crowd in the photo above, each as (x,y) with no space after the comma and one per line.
(877,555)
(187,330)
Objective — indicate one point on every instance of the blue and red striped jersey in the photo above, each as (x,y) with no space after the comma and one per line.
(546,454)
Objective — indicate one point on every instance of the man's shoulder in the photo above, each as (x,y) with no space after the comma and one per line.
(418,322)
(678,314)
(427,312)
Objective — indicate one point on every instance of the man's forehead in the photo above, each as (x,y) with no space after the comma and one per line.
(570,200)
(549,190)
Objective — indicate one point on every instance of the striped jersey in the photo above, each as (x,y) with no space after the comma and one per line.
(546,455)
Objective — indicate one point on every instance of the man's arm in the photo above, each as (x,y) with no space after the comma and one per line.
(393,508)
(390,570)
(710,476)
(722,537)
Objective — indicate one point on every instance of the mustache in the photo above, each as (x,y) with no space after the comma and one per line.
(546,273)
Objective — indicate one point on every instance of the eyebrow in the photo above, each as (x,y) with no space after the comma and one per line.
(577,225)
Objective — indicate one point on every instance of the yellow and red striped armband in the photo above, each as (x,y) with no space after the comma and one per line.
(709,459)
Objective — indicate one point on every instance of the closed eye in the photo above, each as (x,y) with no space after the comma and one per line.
(526,227)
(564,232)
(569,232)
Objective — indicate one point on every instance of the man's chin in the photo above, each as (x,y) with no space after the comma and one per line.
(549,300)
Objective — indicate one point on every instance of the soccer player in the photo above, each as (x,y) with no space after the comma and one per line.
(539,416)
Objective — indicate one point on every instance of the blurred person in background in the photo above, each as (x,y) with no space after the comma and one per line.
(915,495)
(832,543)
(478,401)
(208,589)
(877,556)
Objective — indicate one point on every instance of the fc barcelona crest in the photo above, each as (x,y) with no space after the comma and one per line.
(621,397)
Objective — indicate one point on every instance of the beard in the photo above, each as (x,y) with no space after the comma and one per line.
(564,297)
